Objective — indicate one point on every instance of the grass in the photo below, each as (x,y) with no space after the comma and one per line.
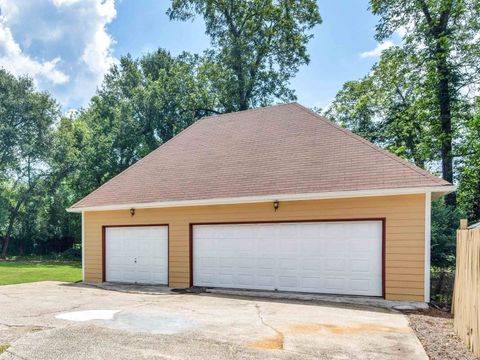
(3,348)
(17,272)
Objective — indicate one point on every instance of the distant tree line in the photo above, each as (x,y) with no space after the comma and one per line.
(418,102)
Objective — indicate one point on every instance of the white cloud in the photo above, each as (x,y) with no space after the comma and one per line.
(15,61)
(64,2)
(378,50)
(63,44)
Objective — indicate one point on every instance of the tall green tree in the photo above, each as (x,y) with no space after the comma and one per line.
(391,107)
(469,169)
(26,119)
(257,46)
(444,33)
(141,104)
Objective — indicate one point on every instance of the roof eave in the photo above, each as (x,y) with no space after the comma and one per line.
(437,191)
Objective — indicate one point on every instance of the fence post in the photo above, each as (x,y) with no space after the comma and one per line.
(463,224)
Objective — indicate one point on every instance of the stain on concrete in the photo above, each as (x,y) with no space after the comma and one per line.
(151,322)
(271,343)
(346,330)
(88,315)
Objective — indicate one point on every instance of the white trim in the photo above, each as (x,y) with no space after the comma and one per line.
(267,198)
(83,246)
(428,234)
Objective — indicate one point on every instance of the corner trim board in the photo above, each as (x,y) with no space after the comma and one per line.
(428,234)
(83,246)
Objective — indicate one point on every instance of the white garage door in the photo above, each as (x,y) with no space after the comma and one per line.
(343,257)
(137,254)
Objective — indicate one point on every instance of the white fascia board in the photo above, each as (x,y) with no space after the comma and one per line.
(428,235)
(268,198)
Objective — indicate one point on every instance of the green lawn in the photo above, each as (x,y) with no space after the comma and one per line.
(17,272)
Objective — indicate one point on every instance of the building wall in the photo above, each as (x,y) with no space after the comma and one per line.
(404,248)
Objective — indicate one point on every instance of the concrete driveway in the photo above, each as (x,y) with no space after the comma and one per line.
(51,320)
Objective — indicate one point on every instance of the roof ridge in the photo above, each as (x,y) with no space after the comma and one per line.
(216,116)
(138,161)
(372,145)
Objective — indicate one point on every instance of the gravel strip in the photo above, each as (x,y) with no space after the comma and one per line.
(434,329)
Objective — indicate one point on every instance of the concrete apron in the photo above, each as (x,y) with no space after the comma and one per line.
(278,295)
(51,321)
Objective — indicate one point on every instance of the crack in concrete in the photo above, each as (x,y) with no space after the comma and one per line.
(280,335)
(34,327)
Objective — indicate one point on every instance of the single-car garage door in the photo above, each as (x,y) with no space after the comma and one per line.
(340,257)
(136,254)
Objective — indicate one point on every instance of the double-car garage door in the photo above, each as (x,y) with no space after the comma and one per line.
(339,257)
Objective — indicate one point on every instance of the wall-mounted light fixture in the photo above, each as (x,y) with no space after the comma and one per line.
(276,204)
(132,211)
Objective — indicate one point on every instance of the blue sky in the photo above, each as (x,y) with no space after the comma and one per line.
(68,45)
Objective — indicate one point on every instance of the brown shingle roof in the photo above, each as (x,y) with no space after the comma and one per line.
(282,149)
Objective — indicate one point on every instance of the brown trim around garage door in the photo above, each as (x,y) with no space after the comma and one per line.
(104,263)
(383,220)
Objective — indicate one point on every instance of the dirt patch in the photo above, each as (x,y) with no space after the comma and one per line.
(344,330)
(273,343)
(434,329)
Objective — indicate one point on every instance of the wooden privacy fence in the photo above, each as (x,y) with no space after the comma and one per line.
(466,294)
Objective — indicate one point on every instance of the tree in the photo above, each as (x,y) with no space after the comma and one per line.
(141,104)
(469,188)
(25,138)
(444,34)
(258,46)
(391,107)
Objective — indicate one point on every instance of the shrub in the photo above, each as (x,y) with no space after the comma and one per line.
(72,254)
(445,222)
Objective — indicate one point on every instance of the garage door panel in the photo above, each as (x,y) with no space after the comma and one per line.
(226,279)
(326,257)
(312,283)
(137,254)
(288,282)
(334,265)
(246,262)
(311,247)
(227,262)
(335,284)
(359,266)
(288,264)
(360,285)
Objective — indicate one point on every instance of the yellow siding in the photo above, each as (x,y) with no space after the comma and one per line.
(404,248)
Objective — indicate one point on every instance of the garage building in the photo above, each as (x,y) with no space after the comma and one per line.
(277,198)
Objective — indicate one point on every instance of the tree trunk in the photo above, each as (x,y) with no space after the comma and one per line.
(444,100)
(8,233)
(6,240)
